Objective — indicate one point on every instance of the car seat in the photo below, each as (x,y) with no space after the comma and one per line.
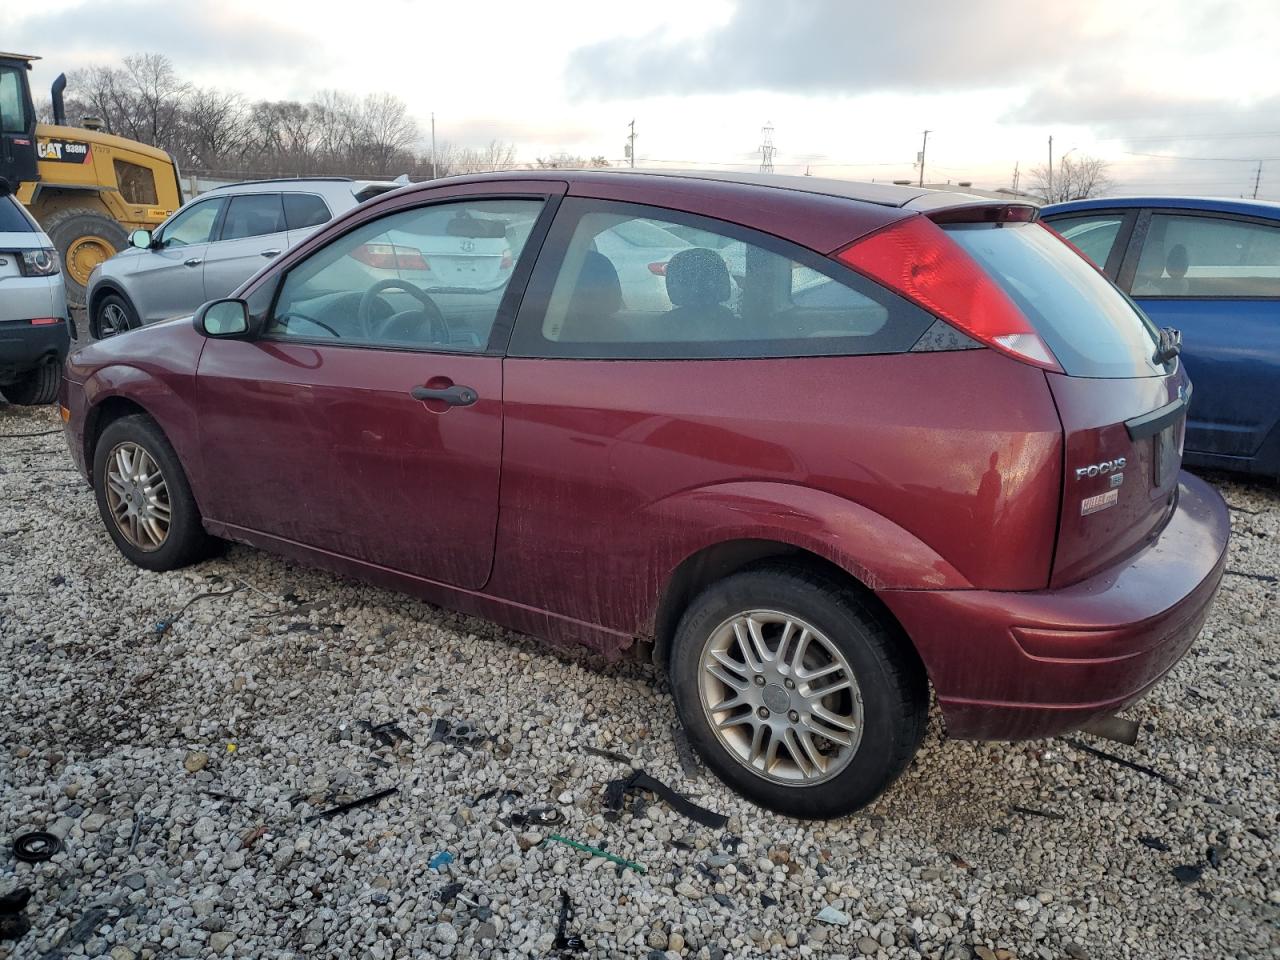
(698,285)
(596,300)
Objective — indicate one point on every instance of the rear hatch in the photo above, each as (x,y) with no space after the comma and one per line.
(1121,392)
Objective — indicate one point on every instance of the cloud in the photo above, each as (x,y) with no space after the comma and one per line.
(193,36)
(841,47)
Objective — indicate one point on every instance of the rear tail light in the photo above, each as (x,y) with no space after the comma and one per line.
(916,259)
(389,256)
(658,269)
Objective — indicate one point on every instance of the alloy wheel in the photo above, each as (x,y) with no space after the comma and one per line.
(112,320)
(138,496)
(781,697)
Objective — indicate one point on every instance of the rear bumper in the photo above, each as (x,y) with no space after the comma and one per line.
(23,346)
(1020,665)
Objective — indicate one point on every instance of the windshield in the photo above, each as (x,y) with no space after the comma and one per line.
(1092,328)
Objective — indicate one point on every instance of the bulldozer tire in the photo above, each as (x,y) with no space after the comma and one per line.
(84,237)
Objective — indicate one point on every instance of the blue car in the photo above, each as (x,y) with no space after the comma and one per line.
(1211,269)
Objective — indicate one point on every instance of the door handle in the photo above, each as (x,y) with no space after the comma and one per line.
(455,396)
(270,253)
(193,262)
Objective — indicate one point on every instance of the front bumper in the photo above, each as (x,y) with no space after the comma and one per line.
(1012,666)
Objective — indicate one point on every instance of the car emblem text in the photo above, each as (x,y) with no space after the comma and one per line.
(1100,469)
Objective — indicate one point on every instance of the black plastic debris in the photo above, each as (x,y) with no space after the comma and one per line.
(1264,577)
(457,732)
(36,847)
(616,790)
(1033,812)
(449,892)
(502,795)
(685,754)
(1121,761)
(730,842)
(682,844)
(565,940)
(1155,843)
(387,734)
(609,755)
(1214,856)
(537,817)
(13,918)
(1188,873)
(352,804)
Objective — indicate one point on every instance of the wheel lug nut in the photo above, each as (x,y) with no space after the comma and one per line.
(759,681)
(791,684)
(793,717)
(763,713)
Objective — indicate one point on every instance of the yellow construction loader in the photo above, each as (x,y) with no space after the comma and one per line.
(87,189)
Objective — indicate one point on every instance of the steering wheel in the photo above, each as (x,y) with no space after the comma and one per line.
(373,328)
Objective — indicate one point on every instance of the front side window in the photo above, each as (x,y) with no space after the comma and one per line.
(1188,256)
(137,183)
(432,277)
(1092,236)
(253,215)
(641,282)
(13,111)
(192,225)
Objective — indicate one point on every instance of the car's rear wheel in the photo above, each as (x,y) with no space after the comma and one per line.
(35,387)
(144,497)
(797,690)
(112,315)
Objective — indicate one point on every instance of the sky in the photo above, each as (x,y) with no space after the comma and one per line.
(1178,96)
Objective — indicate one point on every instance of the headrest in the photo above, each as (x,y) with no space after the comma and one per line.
(598,291)
(1177,262)
(697,278)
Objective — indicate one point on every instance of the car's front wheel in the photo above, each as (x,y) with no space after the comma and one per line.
(144,497)
(797,690)
(112,315)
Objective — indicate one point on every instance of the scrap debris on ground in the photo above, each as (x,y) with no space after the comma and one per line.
(189,771)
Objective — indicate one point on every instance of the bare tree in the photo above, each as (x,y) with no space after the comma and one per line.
(561,161)
(600,161)
(1073,179)
(215,130)
(496,155)
(381,131)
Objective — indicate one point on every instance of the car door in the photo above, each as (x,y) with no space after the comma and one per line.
(1216,278)
(168,279)
(252,234)
(366,419)
(304,214)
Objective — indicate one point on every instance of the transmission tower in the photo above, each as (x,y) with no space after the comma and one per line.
(767,148)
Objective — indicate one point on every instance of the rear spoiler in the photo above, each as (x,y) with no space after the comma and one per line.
(986,213)
(1149,424)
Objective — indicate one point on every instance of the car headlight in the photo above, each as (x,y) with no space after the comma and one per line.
(40,263)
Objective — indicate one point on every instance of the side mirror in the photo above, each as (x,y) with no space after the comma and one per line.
(141,239)
(227,319)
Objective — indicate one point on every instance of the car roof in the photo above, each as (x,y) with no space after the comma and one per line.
(1255,208)
(881,194)
(326,186)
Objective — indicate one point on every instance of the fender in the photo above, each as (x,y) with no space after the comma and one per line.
(171,408)
(870,547)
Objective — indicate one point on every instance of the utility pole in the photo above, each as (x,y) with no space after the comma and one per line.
(1015,177)
(1257,180)
(433,144)
(923,146)
(631,144)
(767,149)
(1049,191)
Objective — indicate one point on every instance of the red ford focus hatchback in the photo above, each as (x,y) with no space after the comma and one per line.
(810,445)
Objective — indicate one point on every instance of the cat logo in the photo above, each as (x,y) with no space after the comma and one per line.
(63,151)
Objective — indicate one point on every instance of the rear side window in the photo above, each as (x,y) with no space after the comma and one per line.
(253,215)
(303,210)
(1092,236)
(12,217)
(1186,256)
(137,183)
(1090,326)
(645,283)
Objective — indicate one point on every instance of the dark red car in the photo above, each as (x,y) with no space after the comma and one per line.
(813,445)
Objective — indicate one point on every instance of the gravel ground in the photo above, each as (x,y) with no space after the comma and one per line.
(179,742)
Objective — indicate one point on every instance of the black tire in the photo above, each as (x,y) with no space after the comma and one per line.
(65,227)
(36,387)
(186,541)
(889,675)
(112,314)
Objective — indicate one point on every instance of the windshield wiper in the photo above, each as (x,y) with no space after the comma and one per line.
(1170,345)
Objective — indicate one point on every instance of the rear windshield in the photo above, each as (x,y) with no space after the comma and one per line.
(1092,328)
(12,217)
